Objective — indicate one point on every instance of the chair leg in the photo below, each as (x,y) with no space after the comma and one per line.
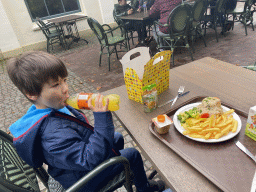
(205,28)
(62,43)
(251,18)
(245,26)
(192,43)
(108,58)
(172,49)
(215,29)
(48,46)
(101,51)
(203,40)
(233,22)
(187,46)
(132,37)
(116,52)
(199,32)
(173,58)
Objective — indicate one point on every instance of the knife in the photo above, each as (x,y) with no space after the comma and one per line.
(245,150)
(174,98)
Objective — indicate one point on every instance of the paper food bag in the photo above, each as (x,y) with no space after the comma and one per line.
(143,70)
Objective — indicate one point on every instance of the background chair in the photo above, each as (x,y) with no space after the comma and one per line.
(177,23)
(16,175)
(107,38)
(52,33)
(129,30)
(244,15)
(217,18)
(197,11)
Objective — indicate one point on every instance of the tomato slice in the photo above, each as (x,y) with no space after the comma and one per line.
(205,115)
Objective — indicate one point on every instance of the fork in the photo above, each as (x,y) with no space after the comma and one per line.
(180,91)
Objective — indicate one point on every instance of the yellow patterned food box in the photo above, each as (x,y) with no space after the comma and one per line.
(145,71)
(250,129)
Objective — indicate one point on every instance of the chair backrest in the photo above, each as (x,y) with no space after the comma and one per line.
(249,4)
(43,27)
(220,7)
(178,19)
(15,175)
(198,9)
(117,20)
(98,30)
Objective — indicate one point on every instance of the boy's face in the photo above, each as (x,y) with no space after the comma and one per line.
(53,95)
(122,2)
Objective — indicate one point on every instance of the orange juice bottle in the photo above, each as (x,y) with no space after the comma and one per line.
(80,101)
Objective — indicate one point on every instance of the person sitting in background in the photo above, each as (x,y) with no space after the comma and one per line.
(122,9)
(148,3)
(162,9)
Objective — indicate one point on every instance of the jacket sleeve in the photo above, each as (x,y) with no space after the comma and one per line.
(117,11)
(65,148)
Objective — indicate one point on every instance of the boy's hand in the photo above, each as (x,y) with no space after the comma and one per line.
(139,10)
(98,104)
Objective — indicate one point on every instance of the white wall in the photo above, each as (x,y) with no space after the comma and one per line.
(17,28)
(8,39)
(106,7)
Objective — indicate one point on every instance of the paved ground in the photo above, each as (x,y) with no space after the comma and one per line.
(85,74)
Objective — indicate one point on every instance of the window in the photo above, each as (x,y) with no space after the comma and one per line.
(51,8)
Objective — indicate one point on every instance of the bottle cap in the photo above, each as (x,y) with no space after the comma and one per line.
(161,118)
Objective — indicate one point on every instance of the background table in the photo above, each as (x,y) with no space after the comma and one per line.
(141,17)
(69,21)
(137,16)
(207,76)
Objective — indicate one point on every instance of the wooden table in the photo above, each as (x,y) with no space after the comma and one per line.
(69,21)
(137,16)
(207,76)
(141,17)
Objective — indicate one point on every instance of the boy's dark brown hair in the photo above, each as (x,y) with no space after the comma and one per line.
(30,71)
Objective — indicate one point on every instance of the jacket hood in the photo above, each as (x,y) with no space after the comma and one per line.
(26,132)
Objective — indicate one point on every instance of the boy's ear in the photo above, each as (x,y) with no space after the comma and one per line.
(32,97)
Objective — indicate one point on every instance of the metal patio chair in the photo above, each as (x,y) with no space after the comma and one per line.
(216,19)
(244,15)
(52,33)
(16,175)
(178,25)
(197,12)
(129,30)
(107,38)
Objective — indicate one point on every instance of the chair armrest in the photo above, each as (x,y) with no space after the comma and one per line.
(110,30)
(43,175)
(114,160)
(106,25)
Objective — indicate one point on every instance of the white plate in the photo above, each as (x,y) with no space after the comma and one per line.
(224,138)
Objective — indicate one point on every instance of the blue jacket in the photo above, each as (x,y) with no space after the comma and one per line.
(67,144)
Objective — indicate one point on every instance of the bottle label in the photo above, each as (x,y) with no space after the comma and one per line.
(83,97)
(83,100)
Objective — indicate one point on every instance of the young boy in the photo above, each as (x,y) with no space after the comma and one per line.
(61,137)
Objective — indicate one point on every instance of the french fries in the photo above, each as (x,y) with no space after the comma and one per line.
(213,127)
